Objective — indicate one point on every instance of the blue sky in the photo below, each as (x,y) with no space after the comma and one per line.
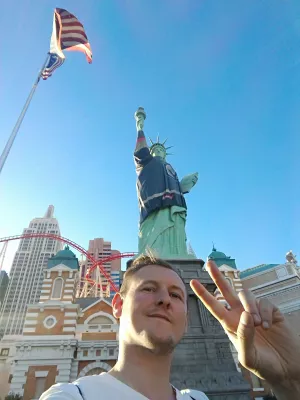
(219,78)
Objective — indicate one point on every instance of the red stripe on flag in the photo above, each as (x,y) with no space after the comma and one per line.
(70,41)
(73,24)
(70,33)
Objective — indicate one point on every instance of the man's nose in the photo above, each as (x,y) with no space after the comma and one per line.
(163,298)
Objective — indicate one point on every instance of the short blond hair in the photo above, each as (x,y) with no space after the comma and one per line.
(144,260)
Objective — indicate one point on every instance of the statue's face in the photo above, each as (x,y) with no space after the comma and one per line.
(158,151)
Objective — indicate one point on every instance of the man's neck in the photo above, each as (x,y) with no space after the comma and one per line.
(144,371)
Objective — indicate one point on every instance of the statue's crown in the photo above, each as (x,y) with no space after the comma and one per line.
(158,143)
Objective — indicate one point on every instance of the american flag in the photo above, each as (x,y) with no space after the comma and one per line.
(54,61)
(68,34)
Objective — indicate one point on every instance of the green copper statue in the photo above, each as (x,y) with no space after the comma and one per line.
(161,199)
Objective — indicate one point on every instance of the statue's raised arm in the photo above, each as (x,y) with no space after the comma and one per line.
(141,153)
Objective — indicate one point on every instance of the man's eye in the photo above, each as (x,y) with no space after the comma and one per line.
(148,289)
(176,295)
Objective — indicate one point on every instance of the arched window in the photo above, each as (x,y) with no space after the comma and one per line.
(101,319)
(57,288)
(95,371)
(100,322)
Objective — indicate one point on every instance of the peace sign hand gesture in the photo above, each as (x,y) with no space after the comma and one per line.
(263,339)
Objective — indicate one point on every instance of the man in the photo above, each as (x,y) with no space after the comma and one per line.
(152,310)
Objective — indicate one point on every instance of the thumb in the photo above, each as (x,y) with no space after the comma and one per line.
(245,334)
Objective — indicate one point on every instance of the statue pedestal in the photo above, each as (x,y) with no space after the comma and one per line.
(203,360)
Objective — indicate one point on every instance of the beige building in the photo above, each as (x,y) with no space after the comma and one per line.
(280,283)
(63,337)
(99,249)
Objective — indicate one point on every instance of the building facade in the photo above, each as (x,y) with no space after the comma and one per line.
(26,275)
(100,249)
(280,283)
(63,337)
(3,285)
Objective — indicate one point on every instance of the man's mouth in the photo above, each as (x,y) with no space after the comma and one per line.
(161,316)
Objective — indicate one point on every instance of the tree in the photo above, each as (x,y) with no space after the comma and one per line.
(13,396)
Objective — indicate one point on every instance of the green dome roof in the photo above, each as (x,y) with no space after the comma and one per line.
(65,257)
(65,253)
(221,258)
(217,254)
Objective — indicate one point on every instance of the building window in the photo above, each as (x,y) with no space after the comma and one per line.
(4,352)
(57,288)
(49,322)
(111,352)
(98,353)
(281,272)
(39,387)
(85,353)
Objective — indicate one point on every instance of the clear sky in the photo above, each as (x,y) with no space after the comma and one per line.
(219,79)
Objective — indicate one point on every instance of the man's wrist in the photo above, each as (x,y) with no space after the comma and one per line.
(287,390)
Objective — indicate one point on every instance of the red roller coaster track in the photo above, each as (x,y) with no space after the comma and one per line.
(96,264)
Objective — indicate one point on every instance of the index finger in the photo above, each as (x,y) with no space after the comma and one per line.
(211,303)
(223,285)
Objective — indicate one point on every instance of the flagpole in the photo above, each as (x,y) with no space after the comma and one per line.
(14,132)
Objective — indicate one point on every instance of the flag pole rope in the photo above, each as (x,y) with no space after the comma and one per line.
(16,128)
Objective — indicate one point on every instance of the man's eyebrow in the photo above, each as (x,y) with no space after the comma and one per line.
(153,282)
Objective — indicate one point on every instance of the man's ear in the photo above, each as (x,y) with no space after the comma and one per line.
(117,305)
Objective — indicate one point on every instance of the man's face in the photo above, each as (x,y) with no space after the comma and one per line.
(153,313)
(158,151)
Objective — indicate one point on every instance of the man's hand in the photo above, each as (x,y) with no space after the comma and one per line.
(263,339)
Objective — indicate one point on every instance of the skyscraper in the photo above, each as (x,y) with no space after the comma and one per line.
(99,250)
(26,275)
(3,285)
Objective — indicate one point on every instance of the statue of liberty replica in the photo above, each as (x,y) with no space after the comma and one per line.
(162,205)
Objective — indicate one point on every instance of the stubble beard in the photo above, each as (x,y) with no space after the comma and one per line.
(160,347)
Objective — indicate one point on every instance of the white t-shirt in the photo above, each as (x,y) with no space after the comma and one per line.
(106,387)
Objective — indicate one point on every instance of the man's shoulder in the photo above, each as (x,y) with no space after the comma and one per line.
(62,391)
(193,394)
(70,391)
